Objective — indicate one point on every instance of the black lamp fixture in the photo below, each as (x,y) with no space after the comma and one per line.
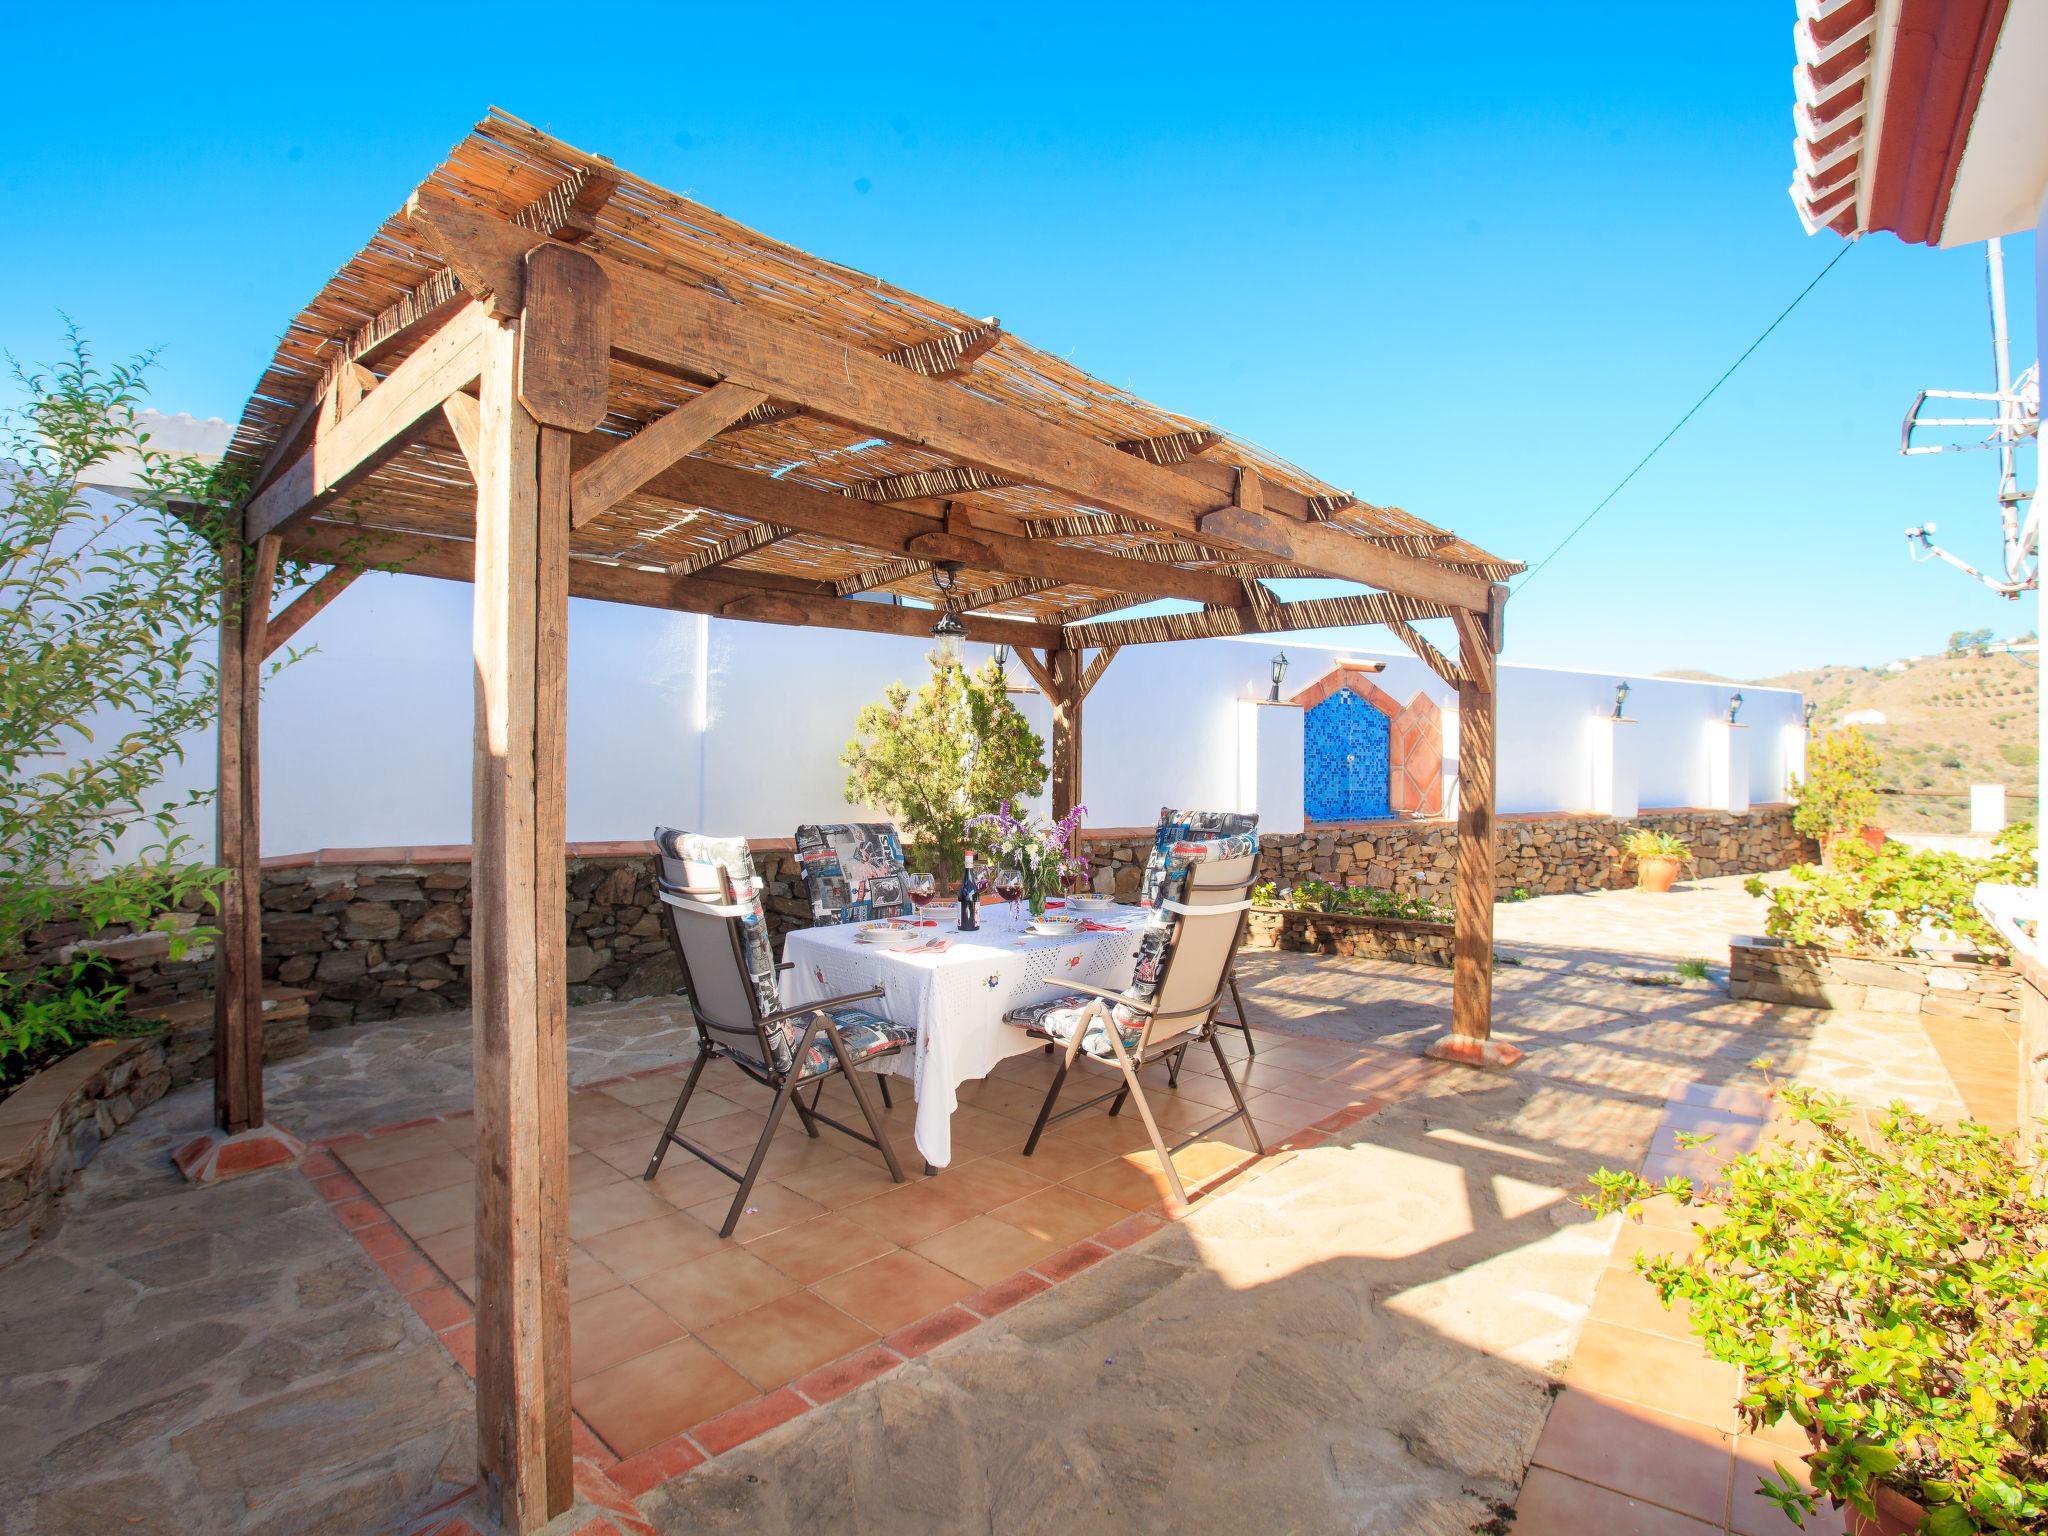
(1812,709)
(1734,707)
(1621,691)
(1003,660)
(1279,672)
(948,626)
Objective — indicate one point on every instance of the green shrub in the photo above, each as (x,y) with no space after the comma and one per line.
(1876,901)
(1363,900)
(1890,1295)
(1839,792)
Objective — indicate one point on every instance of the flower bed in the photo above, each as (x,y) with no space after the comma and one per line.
(1766,971)
(1354,935)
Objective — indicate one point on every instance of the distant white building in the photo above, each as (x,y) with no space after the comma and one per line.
(1863,717)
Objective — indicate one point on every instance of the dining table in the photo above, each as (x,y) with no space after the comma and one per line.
(953,989)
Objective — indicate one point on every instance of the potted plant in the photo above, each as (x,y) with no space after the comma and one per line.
(1837,798)
(1657,856)
(1045,854)
(1888,1291)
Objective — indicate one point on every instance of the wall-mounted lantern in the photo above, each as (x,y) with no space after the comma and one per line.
(1734,707)
(1003,662)
(948,629)
(1279,672)
(1621,692)
(1812,709)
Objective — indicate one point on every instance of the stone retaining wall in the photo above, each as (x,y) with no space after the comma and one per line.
(1354,935)
(385,931)
(53,1124)
(1760,970)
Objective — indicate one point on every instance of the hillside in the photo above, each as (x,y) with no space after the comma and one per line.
(1949,722)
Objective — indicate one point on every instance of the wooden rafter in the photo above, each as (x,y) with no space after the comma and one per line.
(385,421)
(1171,447)
(1310,613)
(920,484)
(1096,668)
(568,210)
(661,322)
(949,355)
(1004,592)
(1041,672)
(875,577)
(296,614)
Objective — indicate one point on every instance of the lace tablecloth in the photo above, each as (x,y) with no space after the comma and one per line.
(956,999)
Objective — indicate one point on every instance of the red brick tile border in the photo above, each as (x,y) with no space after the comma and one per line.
(600,1471)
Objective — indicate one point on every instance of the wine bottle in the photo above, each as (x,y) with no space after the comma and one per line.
(970,898)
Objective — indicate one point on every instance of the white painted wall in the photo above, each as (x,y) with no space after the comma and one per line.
(366,741)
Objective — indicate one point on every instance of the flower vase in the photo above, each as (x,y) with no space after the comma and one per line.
(1035,894)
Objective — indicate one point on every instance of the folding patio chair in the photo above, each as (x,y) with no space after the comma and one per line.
(854,872)
(711,898)
(1181,826)
(1183,967)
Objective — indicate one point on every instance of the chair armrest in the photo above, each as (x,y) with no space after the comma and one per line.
(821,1006)
(1106,995)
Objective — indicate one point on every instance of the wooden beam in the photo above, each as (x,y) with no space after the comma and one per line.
(388,418)
(248,576)
(568,210)
(565,363)
(946,480)
(463,420)
(1171,447)
(665,324)
(1041,670)
(293,617)
(1067,695)
(875,577)
(1310,613)
(1096,668)
(642,587)
(604,483)
(1428,654)
(949,355)
(520,565)
(894,531)
(1472,942)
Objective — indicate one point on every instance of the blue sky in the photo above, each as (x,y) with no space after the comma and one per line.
(1473,268)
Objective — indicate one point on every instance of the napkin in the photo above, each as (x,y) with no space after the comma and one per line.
(928,947)
(1090,926)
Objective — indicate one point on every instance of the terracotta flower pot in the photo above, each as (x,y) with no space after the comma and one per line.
(1656,873)
(1897,1515)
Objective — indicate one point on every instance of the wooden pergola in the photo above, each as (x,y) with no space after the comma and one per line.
(551,379)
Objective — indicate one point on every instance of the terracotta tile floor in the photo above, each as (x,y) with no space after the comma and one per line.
(672,1326)
(1644,1438)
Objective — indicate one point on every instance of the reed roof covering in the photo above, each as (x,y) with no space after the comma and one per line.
(511,171)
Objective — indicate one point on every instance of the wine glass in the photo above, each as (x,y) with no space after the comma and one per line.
(1070,879)
(1010,886)
(921,888)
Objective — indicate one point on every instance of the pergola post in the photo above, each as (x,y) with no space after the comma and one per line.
(1066,696)
(519,994)
(1470,1040)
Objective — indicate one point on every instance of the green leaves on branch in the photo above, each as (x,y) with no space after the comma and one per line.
(1838,795)
(934,760)
(1362,900)
(1888,1291)
(1889,900)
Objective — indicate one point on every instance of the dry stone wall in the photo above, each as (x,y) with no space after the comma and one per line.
(386,932)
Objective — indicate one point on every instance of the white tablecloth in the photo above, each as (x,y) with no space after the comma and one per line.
(956,1000)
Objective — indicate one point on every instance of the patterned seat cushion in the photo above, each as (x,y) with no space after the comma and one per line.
(865,1035)
(690,860)
(1058,1018)
(853,871)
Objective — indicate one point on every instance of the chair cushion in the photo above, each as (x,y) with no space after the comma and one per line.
(864,1034)
(1189,835)
(692,860)
(1058,1018)
(853,871)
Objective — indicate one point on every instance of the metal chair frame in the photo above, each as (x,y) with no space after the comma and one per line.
(706,903)
(1129,1063)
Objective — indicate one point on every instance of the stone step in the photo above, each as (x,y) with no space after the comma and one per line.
(188,1047)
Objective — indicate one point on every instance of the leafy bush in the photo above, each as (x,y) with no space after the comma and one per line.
(956,749)
(1881,901)
(1645,844)
(1363,900)
(1839,793)
(1890,1295)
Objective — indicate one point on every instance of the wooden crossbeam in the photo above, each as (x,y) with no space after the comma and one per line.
(465,420)
(745,542)
(1311,613)
(668,325)
(568,210)
(949,355)
(1096,668)
(800,602)
(1429,655)
(946,480)
(295,615)
(1041,672)
(891,530)
(603,484)
(383,423)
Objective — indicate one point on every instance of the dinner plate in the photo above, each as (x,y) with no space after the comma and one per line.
(887,935)
(1091,903)
(1053,927)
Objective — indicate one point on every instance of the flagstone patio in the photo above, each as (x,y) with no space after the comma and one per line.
(1364,1331)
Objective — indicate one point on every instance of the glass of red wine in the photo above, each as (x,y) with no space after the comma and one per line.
(1010,886)
(921,889)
